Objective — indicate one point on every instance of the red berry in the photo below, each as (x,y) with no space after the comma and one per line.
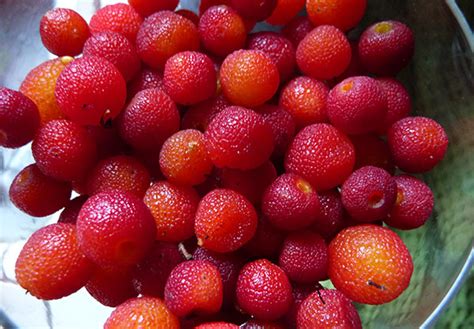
(357,105)
(115,229)
(115,48)
(297,28)
(63,31)
(239,138)
(324,53)
(217,325)
(304,257)
(300,292)
(290,203)
(278,48)
(19,118)
(285,11)
(414,203)
(194,286)
(386,47)
(191,15)
(369,264)
(328,309)
(206,4)
(258,324)
(283,127)
(266,242)
(189,77)
(149,119)
(163,35)
(119,17)
(222,30)
(322,155)
(305,99)
(398,102)
(417,143)
(200,115)
(343,14)
(91,91)
(355,67)
(224,221)
(254,10)
(263,290)
(71,211)
(173,208)
(331,217)
(51,265)
(147,7)
(371,150)
(146,79)
(64,150)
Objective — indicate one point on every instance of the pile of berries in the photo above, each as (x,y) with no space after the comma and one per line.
(222,174)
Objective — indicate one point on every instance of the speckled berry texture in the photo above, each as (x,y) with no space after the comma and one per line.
(398,102)
(285,11)
(71,210)
(297,29)
(343,14)
(119,17)
(331,217)
(283,126)
(200,115)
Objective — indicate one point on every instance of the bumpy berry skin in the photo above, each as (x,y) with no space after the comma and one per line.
(206,4)
(119,17)
(297,29)
(115,48)
(39,85)
(239,138)
(331,217)
(369,264)
(91,91)
(304,257)
(63,31)
(163,35)
(189,77)
(328,309)
(224,221)
(357,105)
(19,118)
(324,53)
(300,292)
(343,14)
(258,324)
(64,150)
(217,325)
(386,47)
(173,207)
(263,290)
(398,102)
(371,150)
(222,30)
(369,194)
(285,11)
(249,78)
(250,183)
(142,312)
(146,7)
(37,194)
(290,203)
(111,286)
(115,229)
(194,286)
(278,48)
(119,172)
(417,144)
(266,242)
(322,155)
(149,119)
(305,99)
(413,206)
(71,210)
(200,115)
(145,79)
(51,265)
(283,127)
(254,10)
(184,159)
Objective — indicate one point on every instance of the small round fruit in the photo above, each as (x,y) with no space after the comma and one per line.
(290,203)
(398,102)
(148,120)
(386,47)
(254,10)
(332,217)
(324,53)
(283,127)
(142,312)
(297,29)
(328,308)
(173,207)
(19,118)
(146,79)
(222,30)
(305,99)
(91,91)
(249,78)
(369,264)
(194,286)
(191,15)
(417,144)
(300,293)
(71,210)
(64,150)
(115,229)
(343,14)
(163,35)
(322,155)
(263,290)
(147,7)
(304,257)
(266,242)
(189,77)
(200,115)
(63,31)
(239,138)
(413,206)
(285,11)
(119,17)
(51,265)
(371,150)
(357,105)
(224,221)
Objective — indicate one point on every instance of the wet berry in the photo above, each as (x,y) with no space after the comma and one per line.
(119,17)
(71,210)
(331,217)
(146,78)
(285,11)
(343,14)
(297,28)
(283,127)
(398,102)
(200,115)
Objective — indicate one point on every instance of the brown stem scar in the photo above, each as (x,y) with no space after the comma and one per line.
(376,285)
(320,297)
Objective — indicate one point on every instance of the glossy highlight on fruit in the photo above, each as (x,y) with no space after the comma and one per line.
(119,17)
